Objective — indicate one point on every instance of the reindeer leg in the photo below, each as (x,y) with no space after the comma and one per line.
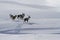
(27,20)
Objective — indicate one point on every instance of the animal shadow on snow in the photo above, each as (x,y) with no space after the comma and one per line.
(30,23)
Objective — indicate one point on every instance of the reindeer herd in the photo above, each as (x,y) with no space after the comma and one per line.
(20,16)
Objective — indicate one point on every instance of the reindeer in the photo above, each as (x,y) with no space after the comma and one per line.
(27,19)
(21,16)
(13,17)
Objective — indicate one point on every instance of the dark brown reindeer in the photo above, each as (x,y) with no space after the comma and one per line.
(13,17)
(21,16)
(27,19)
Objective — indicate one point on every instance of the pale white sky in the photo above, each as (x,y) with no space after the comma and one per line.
(53,2)
(50,11)
(43,2)
(38,2)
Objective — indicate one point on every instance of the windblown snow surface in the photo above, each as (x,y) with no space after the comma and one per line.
(44,23)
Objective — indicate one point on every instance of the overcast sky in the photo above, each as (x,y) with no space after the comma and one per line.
(38,2)
(47,5)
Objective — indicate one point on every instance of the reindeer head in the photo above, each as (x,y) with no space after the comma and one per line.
(23,14)
(29,17)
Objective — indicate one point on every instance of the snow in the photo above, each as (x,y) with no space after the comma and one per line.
(29,37)
(44,23)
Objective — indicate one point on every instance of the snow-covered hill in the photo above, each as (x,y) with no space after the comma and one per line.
(43,25)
